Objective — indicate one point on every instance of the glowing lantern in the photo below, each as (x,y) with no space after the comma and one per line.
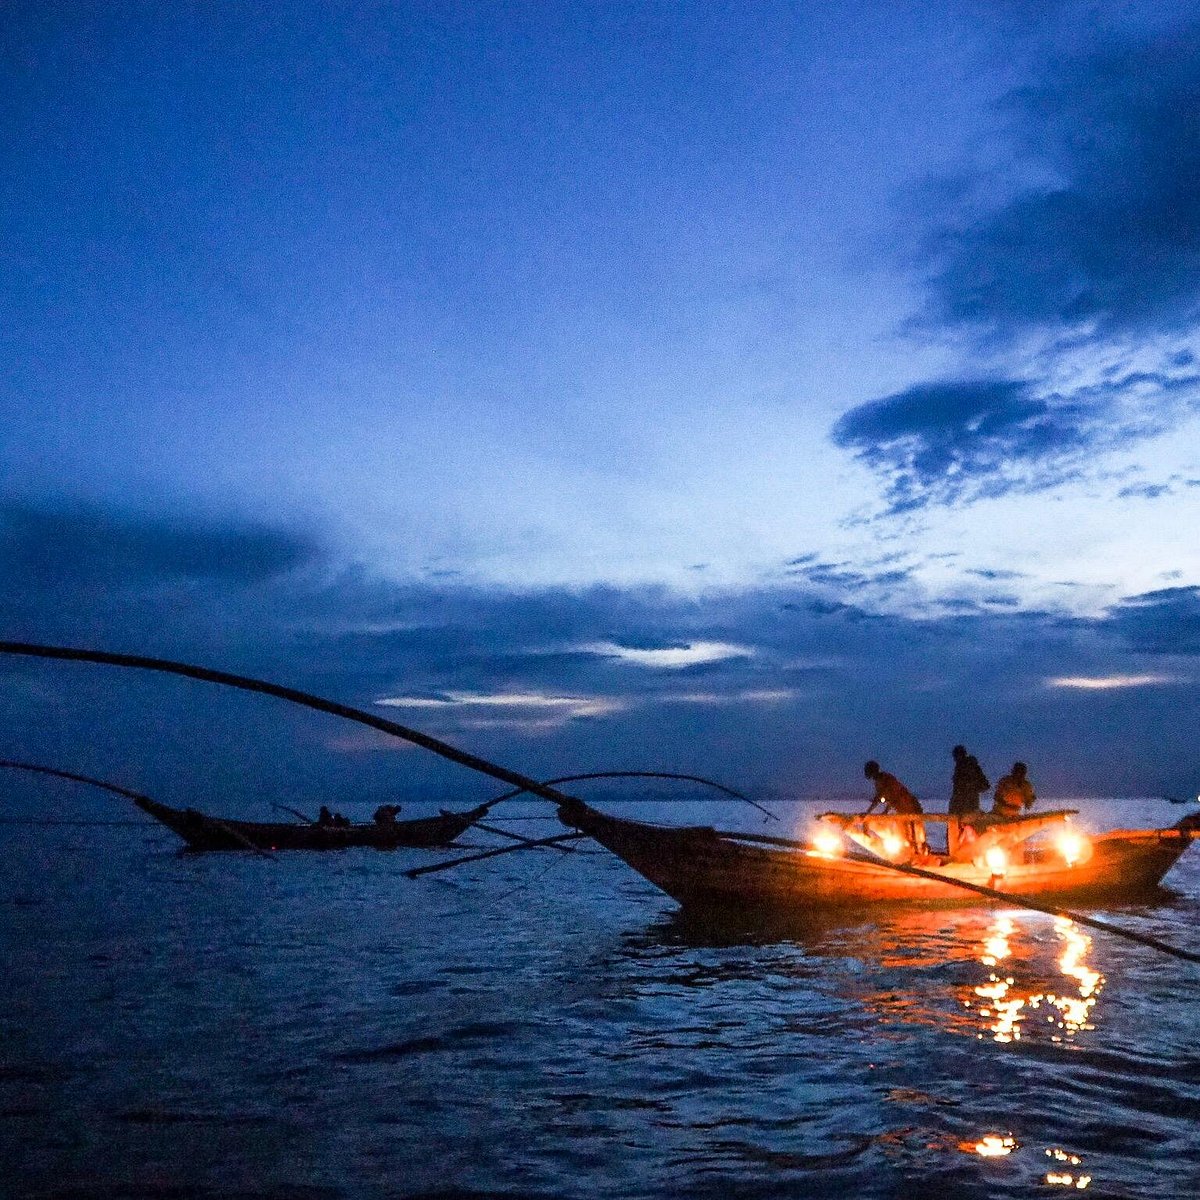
(892,845)
(827,842)
(1072,847)
(996,859)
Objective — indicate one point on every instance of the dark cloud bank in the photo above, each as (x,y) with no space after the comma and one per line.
(1088,241)
(818,682)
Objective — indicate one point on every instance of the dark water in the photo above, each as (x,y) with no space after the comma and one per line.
(546,1025)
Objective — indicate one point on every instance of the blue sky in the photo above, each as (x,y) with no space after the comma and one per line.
(749,390)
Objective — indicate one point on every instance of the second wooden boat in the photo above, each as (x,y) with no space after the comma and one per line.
(204,832)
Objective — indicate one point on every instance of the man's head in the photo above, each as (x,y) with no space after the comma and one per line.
(959,752)
(1019,769)
(871,769)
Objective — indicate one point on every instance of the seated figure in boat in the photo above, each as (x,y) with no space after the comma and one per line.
(385,814)
(896,798)
(1014,792)
(324,817)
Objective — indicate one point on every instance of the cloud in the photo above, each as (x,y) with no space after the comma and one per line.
(686,654)
(1097,225)
(1166,621)
(797,686)
(552,709)
(1107,683)
(955,441)
(752,696)
(82,545)
(845,576)
(965,439)
(1144,491)
(994,574)
(1075,262)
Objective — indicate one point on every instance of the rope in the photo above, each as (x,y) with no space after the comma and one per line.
(720,787)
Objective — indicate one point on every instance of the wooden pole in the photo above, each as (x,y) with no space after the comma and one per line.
(100,783)
(433,868)
(990,892)
(247,684)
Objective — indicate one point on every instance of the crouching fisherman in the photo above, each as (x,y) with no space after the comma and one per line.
(1013,793)
(896,798)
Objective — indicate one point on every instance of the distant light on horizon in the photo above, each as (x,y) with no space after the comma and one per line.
(1101,683)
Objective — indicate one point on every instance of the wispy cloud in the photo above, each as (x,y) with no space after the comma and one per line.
(750,696)
(960,440)
(688,654)
(550,708)
(1106,683)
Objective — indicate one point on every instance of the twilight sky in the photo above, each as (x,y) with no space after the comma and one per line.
(747,390)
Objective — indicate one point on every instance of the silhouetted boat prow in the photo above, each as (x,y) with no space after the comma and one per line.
(203,832)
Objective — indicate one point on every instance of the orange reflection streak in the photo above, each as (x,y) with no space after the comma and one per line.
(1006,1009)
(1065,1178)
(1007,1004)
(991,1145)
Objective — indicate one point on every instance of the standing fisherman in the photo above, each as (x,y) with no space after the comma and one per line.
(968,784)
(896,798)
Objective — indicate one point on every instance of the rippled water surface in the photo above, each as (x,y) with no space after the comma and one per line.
(320,1026)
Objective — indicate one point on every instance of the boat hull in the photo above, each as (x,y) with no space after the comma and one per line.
(702,868)
(202,832)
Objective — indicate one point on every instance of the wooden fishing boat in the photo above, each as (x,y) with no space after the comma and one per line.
(202,832)
(702,867)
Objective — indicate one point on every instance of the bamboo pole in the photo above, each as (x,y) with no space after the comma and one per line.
(248,684)
(100,783)
(433,868)
(990,892)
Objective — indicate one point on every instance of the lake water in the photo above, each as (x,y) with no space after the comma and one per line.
(547,1025)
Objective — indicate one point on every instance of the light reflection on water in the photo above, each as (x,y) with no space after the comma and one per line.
(1008,1002)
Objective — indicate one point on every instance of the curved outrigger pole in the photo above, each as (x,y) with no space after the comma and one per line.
(521,784)
(100,783)
(247,684)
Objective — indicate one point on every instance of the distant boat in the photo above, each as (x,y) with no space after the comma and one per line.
(702,867)
(203,832)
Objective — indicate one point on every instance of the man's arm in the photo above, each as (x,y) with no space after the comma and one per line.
(878,797)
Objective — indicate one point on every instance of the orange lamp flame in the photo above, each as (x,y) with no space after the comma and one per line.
(1072,846)
(996,860)
(827,841)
